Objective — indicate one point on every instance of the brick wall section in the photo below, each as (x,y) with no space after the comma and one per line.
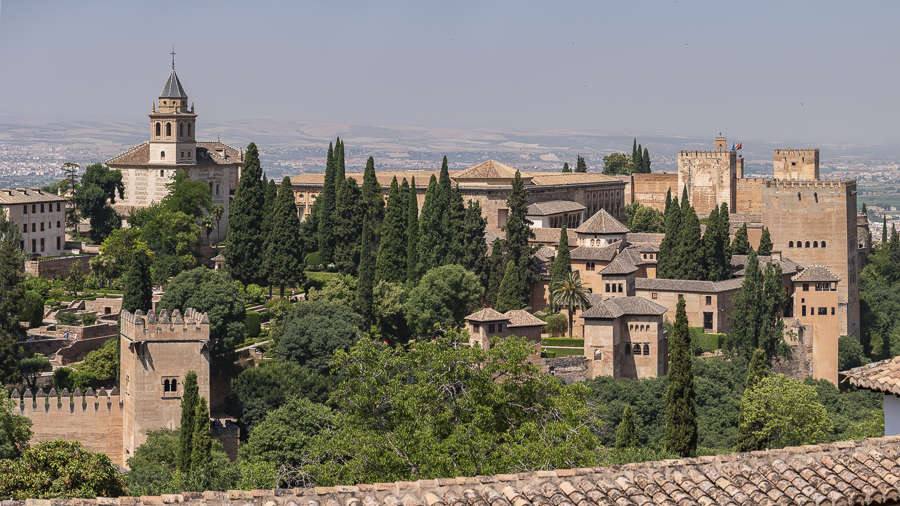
(97,424)
(51,267)
(650,189)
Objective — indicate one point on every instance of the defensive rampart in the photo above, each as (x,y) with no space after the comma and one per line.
(57,266)
(650,189)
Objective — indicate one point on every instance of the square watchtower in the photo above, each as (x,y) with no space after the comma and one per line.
(156,353)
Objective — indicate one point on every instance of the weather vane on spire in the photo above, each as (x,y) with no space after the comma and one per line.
(173,57)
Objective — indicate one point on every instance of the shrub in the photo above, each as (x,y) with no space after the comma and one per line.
(314,259)
(60,469)
(850,353)
(254,293)
(264,317)
(88,319)
(556,325)
(252,323)
(702,342)
(33,309)
(66,318)
(56,294)
(563,341)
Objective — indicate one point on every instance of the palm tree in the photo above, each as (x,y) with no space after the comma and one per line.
(207,223)
(217,210)
(572,292)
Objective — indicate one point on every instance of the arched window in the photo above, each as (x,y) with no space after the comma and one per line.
(823,244)
(181,130)
(631,326)
(174,386)
(166,386)
(790,244)
(646,349)
(807,244)
(162,154)
(815,244)
(799,244)
(168,130)
(636,349)
(189,129)
(161,174)
(182,154)
(158,129)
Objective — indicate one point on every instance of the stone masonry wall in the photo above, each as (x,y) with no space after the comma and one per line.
(709,177)
(748,196)
(50,267)
(650,189)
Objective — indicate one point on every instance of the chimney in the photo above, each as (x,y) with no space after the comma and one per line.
(776,256)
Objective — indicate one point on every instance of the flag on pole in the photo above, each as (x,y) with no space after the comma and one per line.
(741,145)
(732,146)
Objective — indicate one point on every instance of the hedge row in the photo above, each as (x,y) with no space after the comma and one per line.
(563,341)
(706,342)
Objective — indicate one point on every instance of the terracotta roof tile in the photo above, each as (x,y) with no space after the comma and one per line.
(27,195)
(602,223)
(551,236)
(684,285)
(816,273)
(644,238)
(208,153)
(490,169)
(554,207)
(619,306)
(486,315)
(739,264)
(570,178)
(881,376)
(522,318)
(621,265)
(600,253)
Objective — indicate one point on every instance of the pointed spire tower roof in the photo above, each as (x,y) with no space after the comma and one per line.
(173,88)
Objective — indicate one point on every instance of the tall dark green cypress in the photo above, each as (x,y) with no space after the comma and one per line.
(373,196)
(446,231)
(12,298)
(496,271)
(765,243)
(741,243)
(681,410)
(348,218)
(691,264)
(894,255)
(627,434)
(638,160)
(747,441)
(268,222)
(391,262)
(566,167)
(201,442)
(519,235)
(138,292)
(581,166)
(510,295)
(884,233)
(244,253)
(646,160)
(724,248)
(284,261)
(562,263)
(366,273)
(189,400)
(684,200)
(432,242)
(474,244)
(328,198)
(412,236)
(669,249)
(634,150)
(456,230)
(340,170)
(309,228)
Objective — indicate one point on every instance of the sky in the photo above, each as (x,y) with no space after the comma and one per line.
(817,71)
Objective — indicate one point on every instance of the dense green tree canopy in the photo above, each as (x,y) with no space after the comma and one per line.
(681,410)
(444,296)
(188,196)
(286,434)
(313,331)
(617,163)
(283,261)
(244,254)
(59,470)
(785,412)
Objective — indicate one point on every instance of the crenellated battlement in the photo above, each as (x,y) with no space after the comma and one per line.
(797,152)
(810,183)
(192,326)
(721,155)
(48,402)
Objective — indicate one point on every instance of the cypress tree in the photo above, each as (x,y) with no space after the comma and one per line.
(456,230)
(309,228)
(864,211)
(627,435)
(245,222)
(765,243)
(894,255)
(340,171)
(271,193)
(518,234)
(581,166)
(562,264)
(681,416)
(189,400)
(646,168)
(12,298)
(496,271)
(474,244)
(201,442)
(509,297)
(412,235)
(138,292)
(373,196)
(711,241)
(432,242)
(366,273)
(741,244)
(566,167)
(884,233)
(348,218)
(724,248)
(747,441)
(668,200)
(328,198)
(669,248)
(634,149)
(284,263)
(391,262)
(771,326)
(638,160)
(691,248)
(684,201)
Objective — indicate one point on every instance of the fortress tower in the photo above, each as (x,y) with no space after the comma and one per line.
(709,177)
(797,164)
(156,353)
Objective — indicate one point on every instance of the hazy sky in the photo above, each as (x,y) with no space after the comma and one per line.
(817,71)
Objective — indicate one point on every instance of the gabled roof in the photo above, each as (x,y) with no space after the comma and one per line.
(173,88)
(551,236)
(554,207)
(881,376)
(621,265)
(601,253)
(620,306)
(602,223)
(739,264)
(486,315)
(522,318)
(815,273)
(490,169)
(644,238)
(687,285)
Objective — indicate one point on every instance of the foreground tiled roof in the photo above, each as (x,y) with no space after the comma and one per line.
(847,473)
(602,223)
(618,306)
(816,273)
(486,315)
(881,376)
(685,285)
(522,318)
(554,207)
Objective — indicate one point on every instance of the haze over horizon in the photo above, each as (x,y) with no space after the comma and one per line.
(797,73)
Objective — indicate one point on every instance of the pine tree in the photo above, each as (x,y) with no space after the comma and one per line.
(374,197)
(646,168)
(189,400)
(432,242)
(474,244)
(348,218)
(690,248)
(566,167)
(765,243)
(412,235)
(284,261)
(747,441)
(638,160)
(562,264)
(741,244)
(245,240)
(201,441)
(328,200)
(518,237)
(366,273)
(138,291)
(581,166)
(670,248)
(496,271)
(509,297)
(627,435)
(391,263)
(681,415)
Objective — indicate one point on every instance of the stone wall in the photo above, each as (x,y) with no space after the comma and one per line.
(45,347)
(709,177)
(572,369)
(796,164)
(650,189)
(748,196)
(80,348)
(96,422)
(104,329)
(104,306)
(51,267)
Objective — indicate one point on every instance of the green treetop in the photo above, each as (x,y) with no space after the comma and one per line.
(570,292)
(747,440)
(373,197)
(474,245)
(783,412)
(457,223)
(138,291)
(741,244)
(391,262)
(581,166)
(627,435)
(496,270)
(691,260)
(562,263)
(712,241)
(444,296)
(646,160)
(566,167)
(284,261)
(201,439)
(509,296)
(366,273)
(765,243)
(348,221)
(634,149)
(340,170)
(670,248)
(638,160)
(245,242)
(884,232)
(187,195)
(431,241)
(681,414)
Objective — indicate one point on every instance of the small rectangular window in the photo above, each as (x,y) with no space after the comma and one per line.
(42,207)
(24,228)
(805,287)
(57,224)
(803,311)
(709,300)
(707,320)
(57,207)
(42,244)
(491,328)
(25,209)
(476,327)
(57,242)
(34,227)
(832,311)
(33,208)
(607,288)
(654,295)
(42,226)
(34,245)
(823,311)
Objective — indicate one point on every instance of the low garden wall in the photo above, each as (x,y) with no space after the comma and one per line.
(51,267)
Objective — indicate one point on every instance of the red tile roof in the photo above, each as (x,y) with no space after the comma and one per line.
(881,376)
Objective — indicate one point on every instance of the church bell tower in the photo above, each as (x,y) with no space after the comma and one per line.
(173,125)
